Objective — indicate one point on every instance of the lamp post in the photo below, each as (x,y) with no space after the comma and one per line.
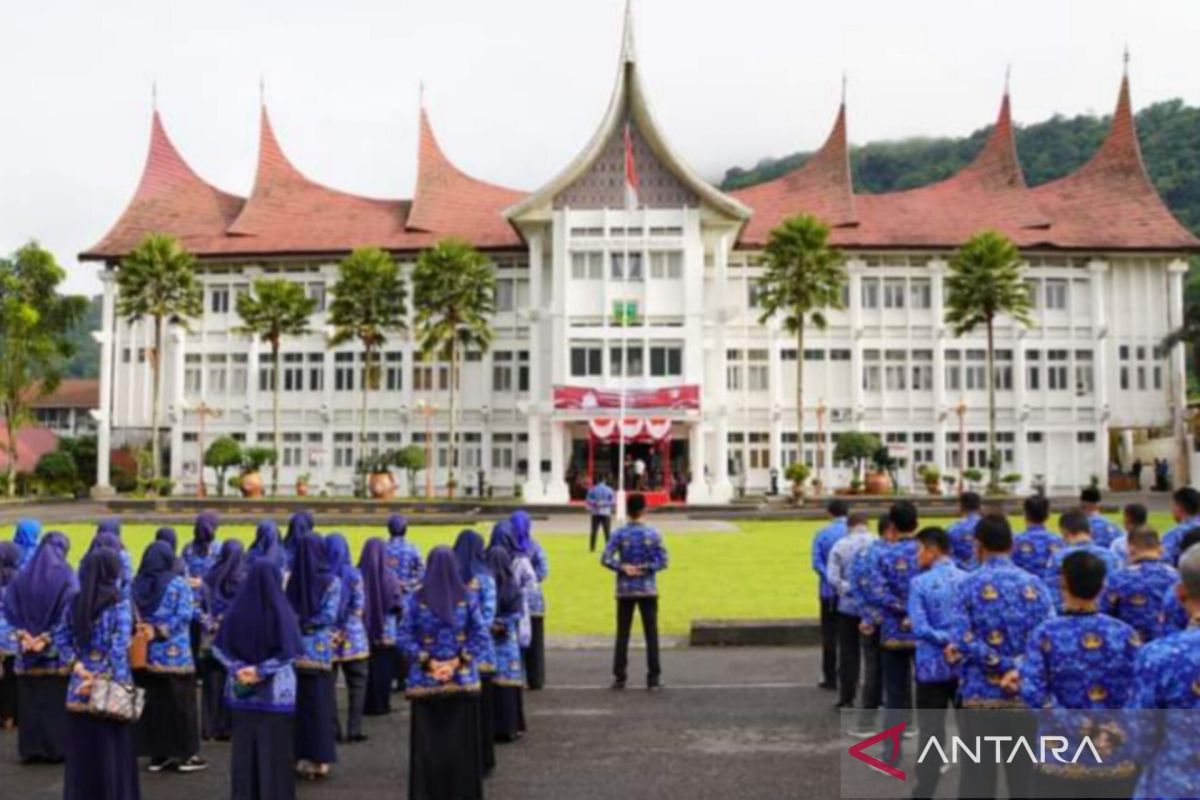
(820,446)
(203,410)
(427,410)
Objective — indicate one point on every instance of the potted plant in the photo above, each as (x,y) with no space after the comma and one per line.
(931,476)
(302,484)
(381,485)
(797,472)
(253,460)
(856,447)
(1010,481)
(856,485)
(222,455)
(972,476)
(879,480)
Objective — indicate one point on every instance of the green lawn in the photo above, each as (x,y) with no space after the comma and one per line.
(760,571)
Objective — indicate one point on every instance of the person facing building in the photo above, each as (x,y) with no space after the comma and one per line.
(637,554)
(1036,545)
(823,542)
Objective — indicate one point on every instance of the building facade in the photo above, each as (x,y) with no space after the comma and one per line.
(660,297)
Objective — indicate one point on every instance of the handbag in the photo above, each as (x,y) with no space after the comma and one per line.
(113,700)
(139,645)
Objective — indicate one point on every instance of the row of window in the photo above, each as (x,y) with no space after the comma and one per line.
(665,361)
(917,293)
(664,265)
(596,231)
(510,293)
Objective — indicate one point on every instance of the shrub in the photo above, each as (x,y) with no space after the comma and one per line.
(57,473)
(222,455)
(254,458)
(797,472)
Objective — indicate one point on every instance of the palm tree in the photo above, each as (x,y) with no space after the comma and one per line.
(369,302)
(454,290)
(803,277)
(985,280)
(277,308)
(158,280)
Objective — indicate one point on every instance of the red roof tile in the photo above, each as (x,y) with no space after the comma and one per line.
(71,393)
(32,443)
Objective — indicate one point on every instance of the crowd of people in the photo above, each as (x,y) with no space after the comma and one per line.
(1092,617)
(244,644)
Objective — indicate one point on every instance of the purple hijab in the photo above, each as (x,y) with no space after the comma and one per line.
(99,579)
(111,525)
(508,593)
(10,562)
(381,588)
(260,624)
(26,538)
(522,528)
(59,541)
(168,536)
(266,545)
(310,578)
(299,524)
(103,540)
(38,597)
(468,551)
(222,581)
(397,526)
(337,555)
(204,532)
(442,589)
(502,536)
(154,575)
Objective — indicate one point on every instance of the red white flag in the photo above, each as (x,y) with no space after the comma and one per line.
(632,185)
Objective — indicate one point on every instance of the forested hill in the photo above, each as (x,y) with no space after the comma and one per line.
(1169,132)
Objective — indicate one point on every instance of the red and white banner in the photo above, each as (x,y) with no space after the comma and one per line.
(654,429)
(582,398)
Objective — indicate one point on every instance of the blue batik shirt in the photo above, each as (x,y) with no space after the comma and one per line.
(9,643)
(1104,531)
(107,653)
(404,559)
(1034,549)
(930,606)
(350,633)
(996,609)
(962,541)
(641,546)
(197,565)
(600,500)
(274,694)
(317,633)
(1172,616)
(535,598)
(1120,548)
(483,592)
(504,633)
(1135,595)
(863,573)
(1172,540)
(1055,571)
(424,637)
(1168,678)
(822,544)
(839,570)
(170,650)
(895,566)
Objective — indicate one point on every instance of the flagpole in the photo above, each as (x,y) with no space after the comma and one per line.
(624,336)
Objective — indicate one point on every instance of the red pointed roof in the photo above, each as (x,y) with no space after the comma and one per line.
(1110,201)
(170,198)
(822,186)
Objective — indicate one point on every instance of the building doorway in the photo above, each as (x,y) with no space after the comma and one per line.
(659,468)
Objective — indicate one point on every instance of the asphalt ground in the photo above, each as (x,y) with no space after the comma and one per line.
(732,723)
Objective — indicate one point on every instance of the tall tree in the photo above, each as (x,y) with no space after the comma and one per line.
(369,302)
(34,347)
(803,277)
(276,309)
(158,280)
(985,281)
(454,290)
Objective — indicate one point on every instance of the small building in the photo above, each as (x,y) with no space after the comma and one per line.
(69,410)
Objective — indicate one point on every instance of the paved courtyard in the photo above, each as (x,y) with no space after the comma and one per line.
(744,723)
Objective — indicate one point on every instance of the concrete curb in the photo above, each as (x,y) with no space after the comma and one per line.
(755,633)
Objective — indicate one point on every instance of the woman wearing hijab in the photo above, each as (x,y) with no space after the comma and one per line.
(442,635)
(220,587)
(108,534)
(299,524)
(36,606)
(474,571)
(168,731)
(315,596)
(199,555)
(101,764)
(350,648)
(26,537)
(10,558)
(258,644)
(383,601)
(266,546)
(404,559)
(535,653)
(508,682)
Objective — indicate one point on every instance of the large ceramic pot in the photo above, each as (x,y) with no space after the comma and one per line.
(878,483)
(251,484)
(934,488)
(381,485)
(302,490)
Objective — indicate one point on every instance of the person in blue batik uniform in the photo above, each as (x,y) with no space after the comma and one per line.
(930,605)
(476,575)
(1172,616)
(849,616)
(1185,508)
(218,592)
(299,525)
(442,634)
(383,603)
(169,729)
(266,547)
(1104,531)
(10,557)
(403,557)
(637,554)
(1082,660)
(862,571)
(258,644)
(26,537)
(100,760)
(108,534)
(508,676)
(1133,516)
(315,595)
(962,532)
(350,647)
(1134,594)
(529,548)
(600,500)
(1035,546)
(1077,535)
(822,545)
(1168,679)
(996,609)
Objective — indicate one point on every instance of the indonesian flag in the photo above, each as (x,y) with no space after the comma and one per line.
(632,185)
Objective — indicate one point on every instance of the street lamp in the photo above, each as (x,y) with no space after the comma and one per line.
(203,410)
(427,410)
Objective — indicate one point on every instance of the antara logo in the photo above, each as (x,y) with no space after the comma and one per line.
(892,735)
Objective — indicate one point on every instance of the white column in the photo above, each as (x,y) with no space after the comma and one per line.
(721,490)
(103,414)
(556,488)
(854,269)
(697,459)
(175,413)
(1176,366)
(533,490)
(1099,271)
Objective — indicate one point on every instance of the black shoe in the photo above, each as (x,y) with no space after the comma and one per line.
(618,684)
(824,685)
(358,737)
(844,704)
(193,764)
(653,685)
(160,764)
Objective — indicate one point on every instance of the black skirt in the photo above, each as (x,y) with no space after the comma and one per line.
(534,656)
(43,703)
(101,764)
(262,758)
(169,728)
(381,671)
(315,724)
(215,719)
(8,691)
(508,716)
(487,738)
(443,747)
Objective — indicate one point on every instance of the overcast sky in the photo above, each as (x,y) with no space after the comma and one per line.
(516,87)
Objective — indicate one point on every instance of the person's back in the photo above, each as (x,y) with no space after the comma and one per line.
(1134,594)
(637,554)
(1036,545)
(962,532)
(1077,536)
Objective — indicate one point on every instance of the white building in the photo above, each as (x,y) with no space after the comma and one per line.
(1105,265)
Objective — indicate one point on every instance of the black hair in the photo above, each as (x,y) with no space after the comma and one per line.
(1075,521)
(635,504)
(994,533)
(1037,509)
(970,501)
(1143,537)
(936,538)
(904,516)
(1188,499)
(1084,573)
(1137,514)
(1090,495)
(883,523)
(838,508)
(1190,538)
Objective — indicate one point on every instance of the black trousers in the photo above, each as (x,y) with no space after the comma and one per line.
(980,779)
(829,641)
(600,521)
(355,674)
(848,657)
(933,701)
(1057,786)
(648,609)
(534,656)
(897,672)
(872,687)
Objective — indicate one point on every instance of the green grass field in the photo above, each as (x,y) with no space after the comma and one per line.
(760,571)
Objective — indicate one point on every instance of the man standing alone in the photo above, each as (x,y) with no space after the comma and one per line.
(600,506)
(637,554)
(822,545)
